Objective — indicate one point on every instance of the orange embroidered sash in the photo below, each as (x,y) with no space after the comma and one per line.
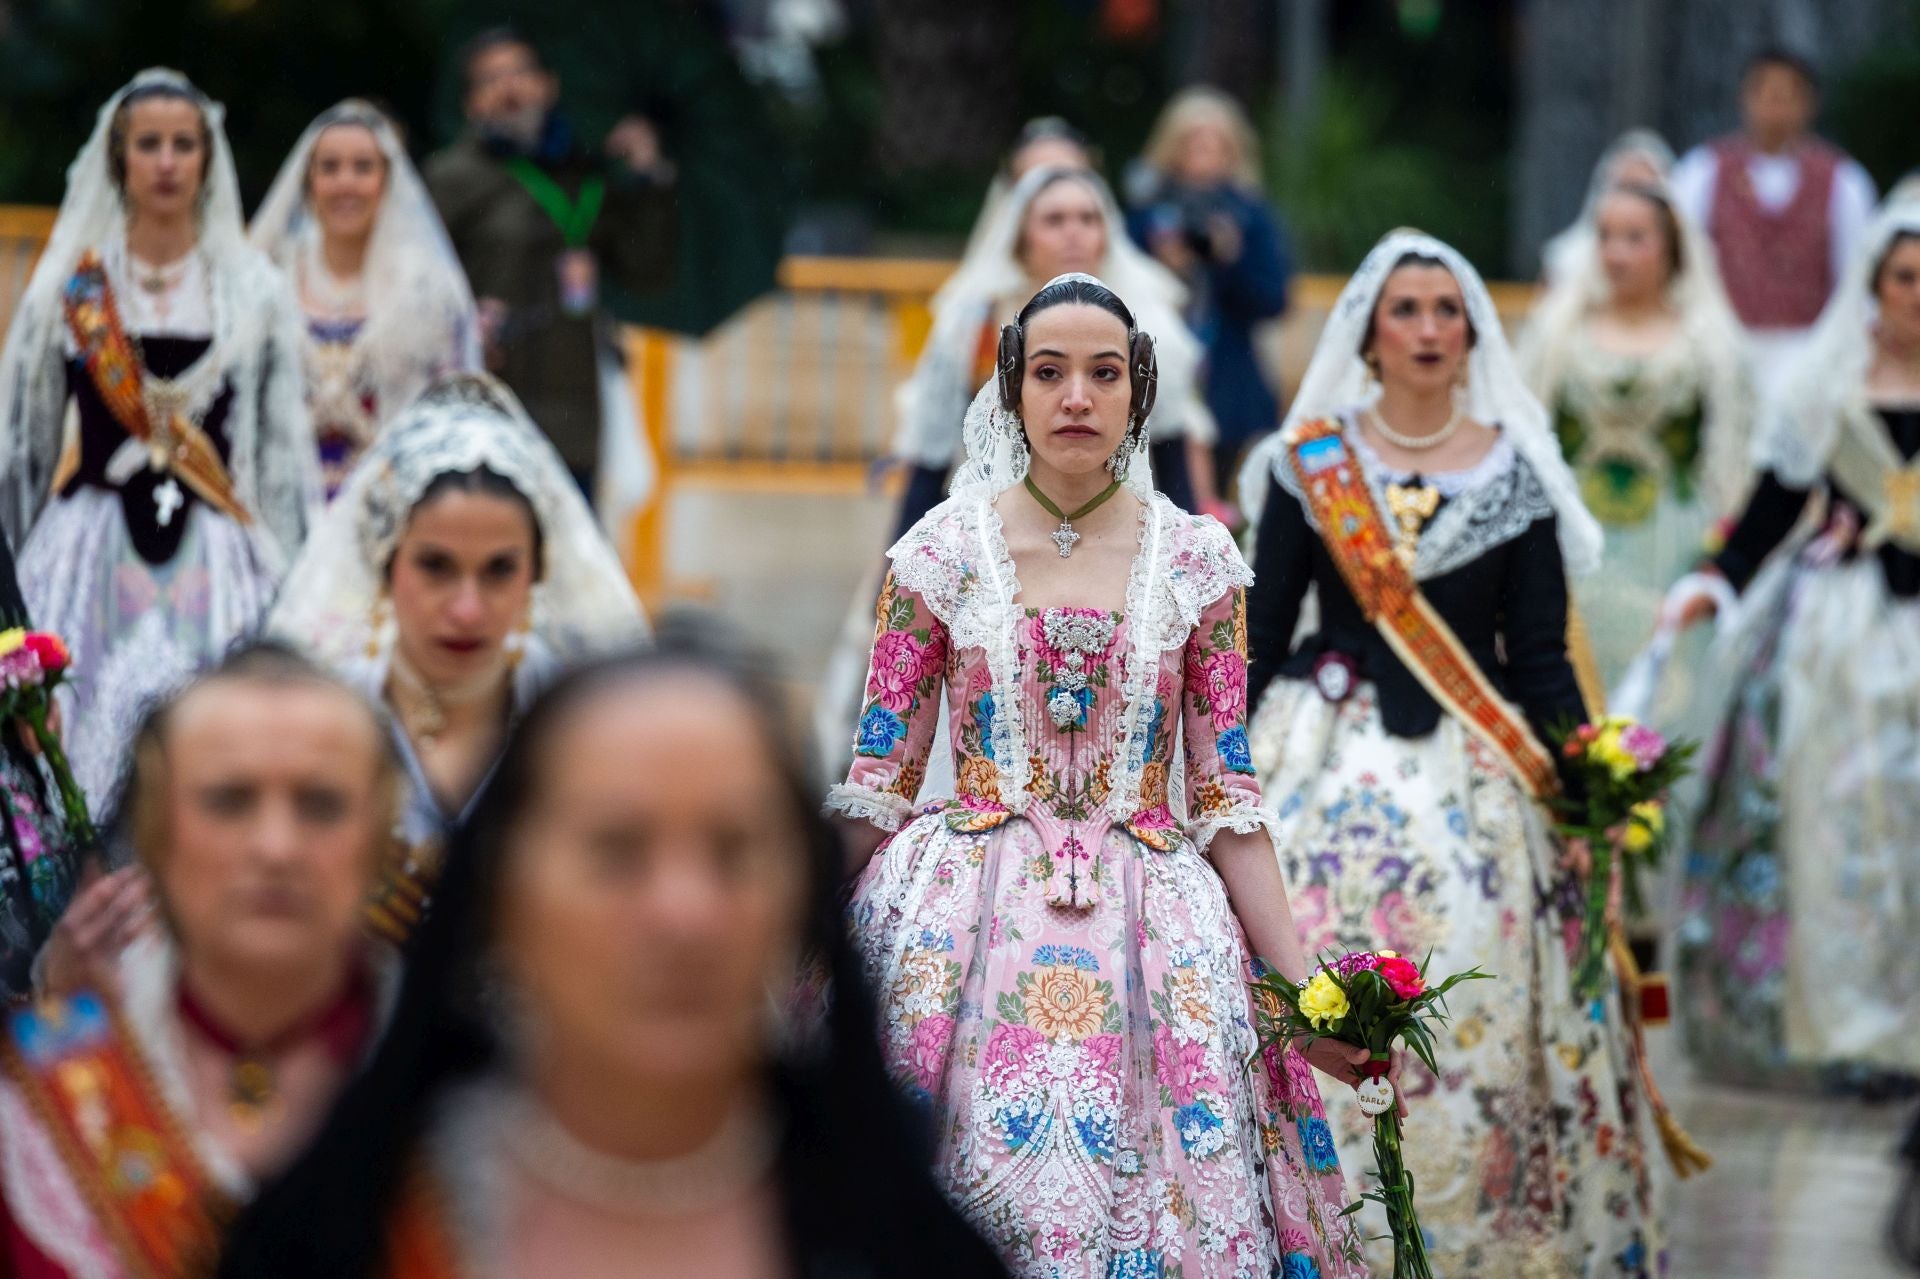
(399,899)
(177,445)
(89,1088)
(1356,537)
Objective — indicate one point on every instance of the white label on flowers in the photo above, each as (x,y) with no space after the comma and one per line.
(1376,1096)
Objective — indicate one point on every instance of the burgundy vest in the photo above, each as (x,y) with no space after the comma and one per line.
(1778,265)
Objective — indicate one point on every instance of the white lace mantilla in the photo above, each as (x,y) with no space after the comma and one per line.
(957,560)
(1490,503)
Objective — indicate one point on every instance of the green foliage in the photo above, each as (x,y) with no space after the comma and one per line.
(1348,177)
(1870,110)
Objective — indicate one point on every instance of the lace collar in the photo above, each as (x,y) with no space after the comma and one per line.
(1489,503)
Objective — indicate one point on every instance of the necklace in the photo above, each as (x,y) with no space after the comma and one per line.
(738,1156)
(423,706)
(159,279)
(253,1090)
(1064,537)
(1417,443)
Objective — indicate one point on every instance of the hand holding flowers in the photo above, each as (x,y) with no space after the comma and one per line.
(1626,771)
(32,665)
(1365,1002)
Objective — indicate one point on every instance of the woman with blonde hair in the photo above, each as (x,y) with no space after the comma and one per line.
(1197,206)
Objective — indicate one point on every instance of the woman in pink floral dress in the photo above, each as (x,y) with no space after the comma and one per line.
(1061,955)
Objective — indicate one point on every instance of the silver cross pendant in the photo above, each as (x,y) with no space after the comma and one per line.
(166,500)
(1064,537)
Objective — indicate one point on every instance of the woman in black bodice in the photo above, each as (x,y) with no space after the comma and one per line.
(1795,940)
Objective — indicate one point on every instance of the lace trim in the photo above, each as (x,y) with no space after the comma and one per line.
(1241,819)
(1494,501)
(863,803)
(1146,611)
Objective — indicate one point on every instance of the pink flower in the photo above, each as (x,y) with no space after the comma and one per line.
(927,1054)
(1646,746)
(1009,1051)
(1292,1240)
(1226,687)
(1403,975)
(1356,961)
(899,663)
(1181,1067)
(52,654)
(1312,917)
(1102,1053)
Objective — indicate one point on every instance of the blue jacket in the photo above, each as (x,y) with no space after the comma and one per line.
(1229,300)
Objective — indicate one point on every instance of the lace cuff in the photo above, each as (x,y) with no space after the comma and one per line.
(1242,819)
(886,810)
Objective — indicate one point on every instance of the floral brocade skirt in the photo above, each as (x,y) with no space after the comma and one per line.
(1801,897)
(136,630)
(1091,1074)
(1527,1150)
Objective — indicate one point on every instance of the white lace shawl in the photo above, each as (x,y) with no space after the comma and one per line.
(583,603)
(420,312)
(1714,344)
(1337,381)
(257,335)
(1492,502)
(1826,385)
(956,559)
(930,404)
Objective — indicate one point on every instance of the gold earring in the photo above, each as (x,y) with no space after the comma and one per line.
(377,621)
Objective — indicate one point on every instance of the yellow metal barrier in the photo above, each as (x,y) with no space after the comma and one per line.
(795,393)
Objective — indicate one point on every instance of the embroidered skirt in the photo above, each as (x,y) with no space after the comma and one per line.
(1801,897)
(1527,1150)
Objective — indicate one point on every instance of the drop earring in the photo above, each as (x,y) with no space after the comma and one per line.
(377,618)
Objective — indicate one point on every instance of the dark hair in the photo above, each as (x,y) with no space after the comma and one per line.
(1886,255)
(1143,365)
(1669,220)
(486,41)
(1778,55)
(267,662)
(844,1121)
(485,482)
(122,121)
(1413,258)
(1048,128)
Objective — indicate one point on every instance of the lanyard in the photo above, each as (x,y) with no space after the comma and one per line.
(575,218)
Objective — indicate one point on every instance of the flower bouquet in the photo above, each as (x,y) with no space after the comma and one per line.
(1370,999)
(32,665)
(1626,771)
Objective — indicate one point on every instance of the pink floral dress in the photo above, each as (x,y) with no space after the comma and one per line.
(1062,981)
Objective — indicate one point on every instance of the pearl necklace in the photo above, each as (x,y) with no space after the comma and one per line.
(738,1157)
(1418,443)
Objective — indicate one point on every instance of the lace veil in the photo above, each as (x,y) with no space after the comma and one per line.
(1826,383)
(1559,254)
(1337,381)
(272,460)
(420,313)
(992,273)
(583,602)
(1578,283)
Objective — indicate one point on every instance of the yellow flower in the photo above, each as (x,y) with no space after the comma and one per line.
(1064,1001)
(1606,750)
(1387,954)
(1646,822)
(12,639)
(1323,1001)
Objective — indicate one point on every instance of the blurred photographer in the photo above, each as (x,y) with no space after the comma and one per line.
(1197,206)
